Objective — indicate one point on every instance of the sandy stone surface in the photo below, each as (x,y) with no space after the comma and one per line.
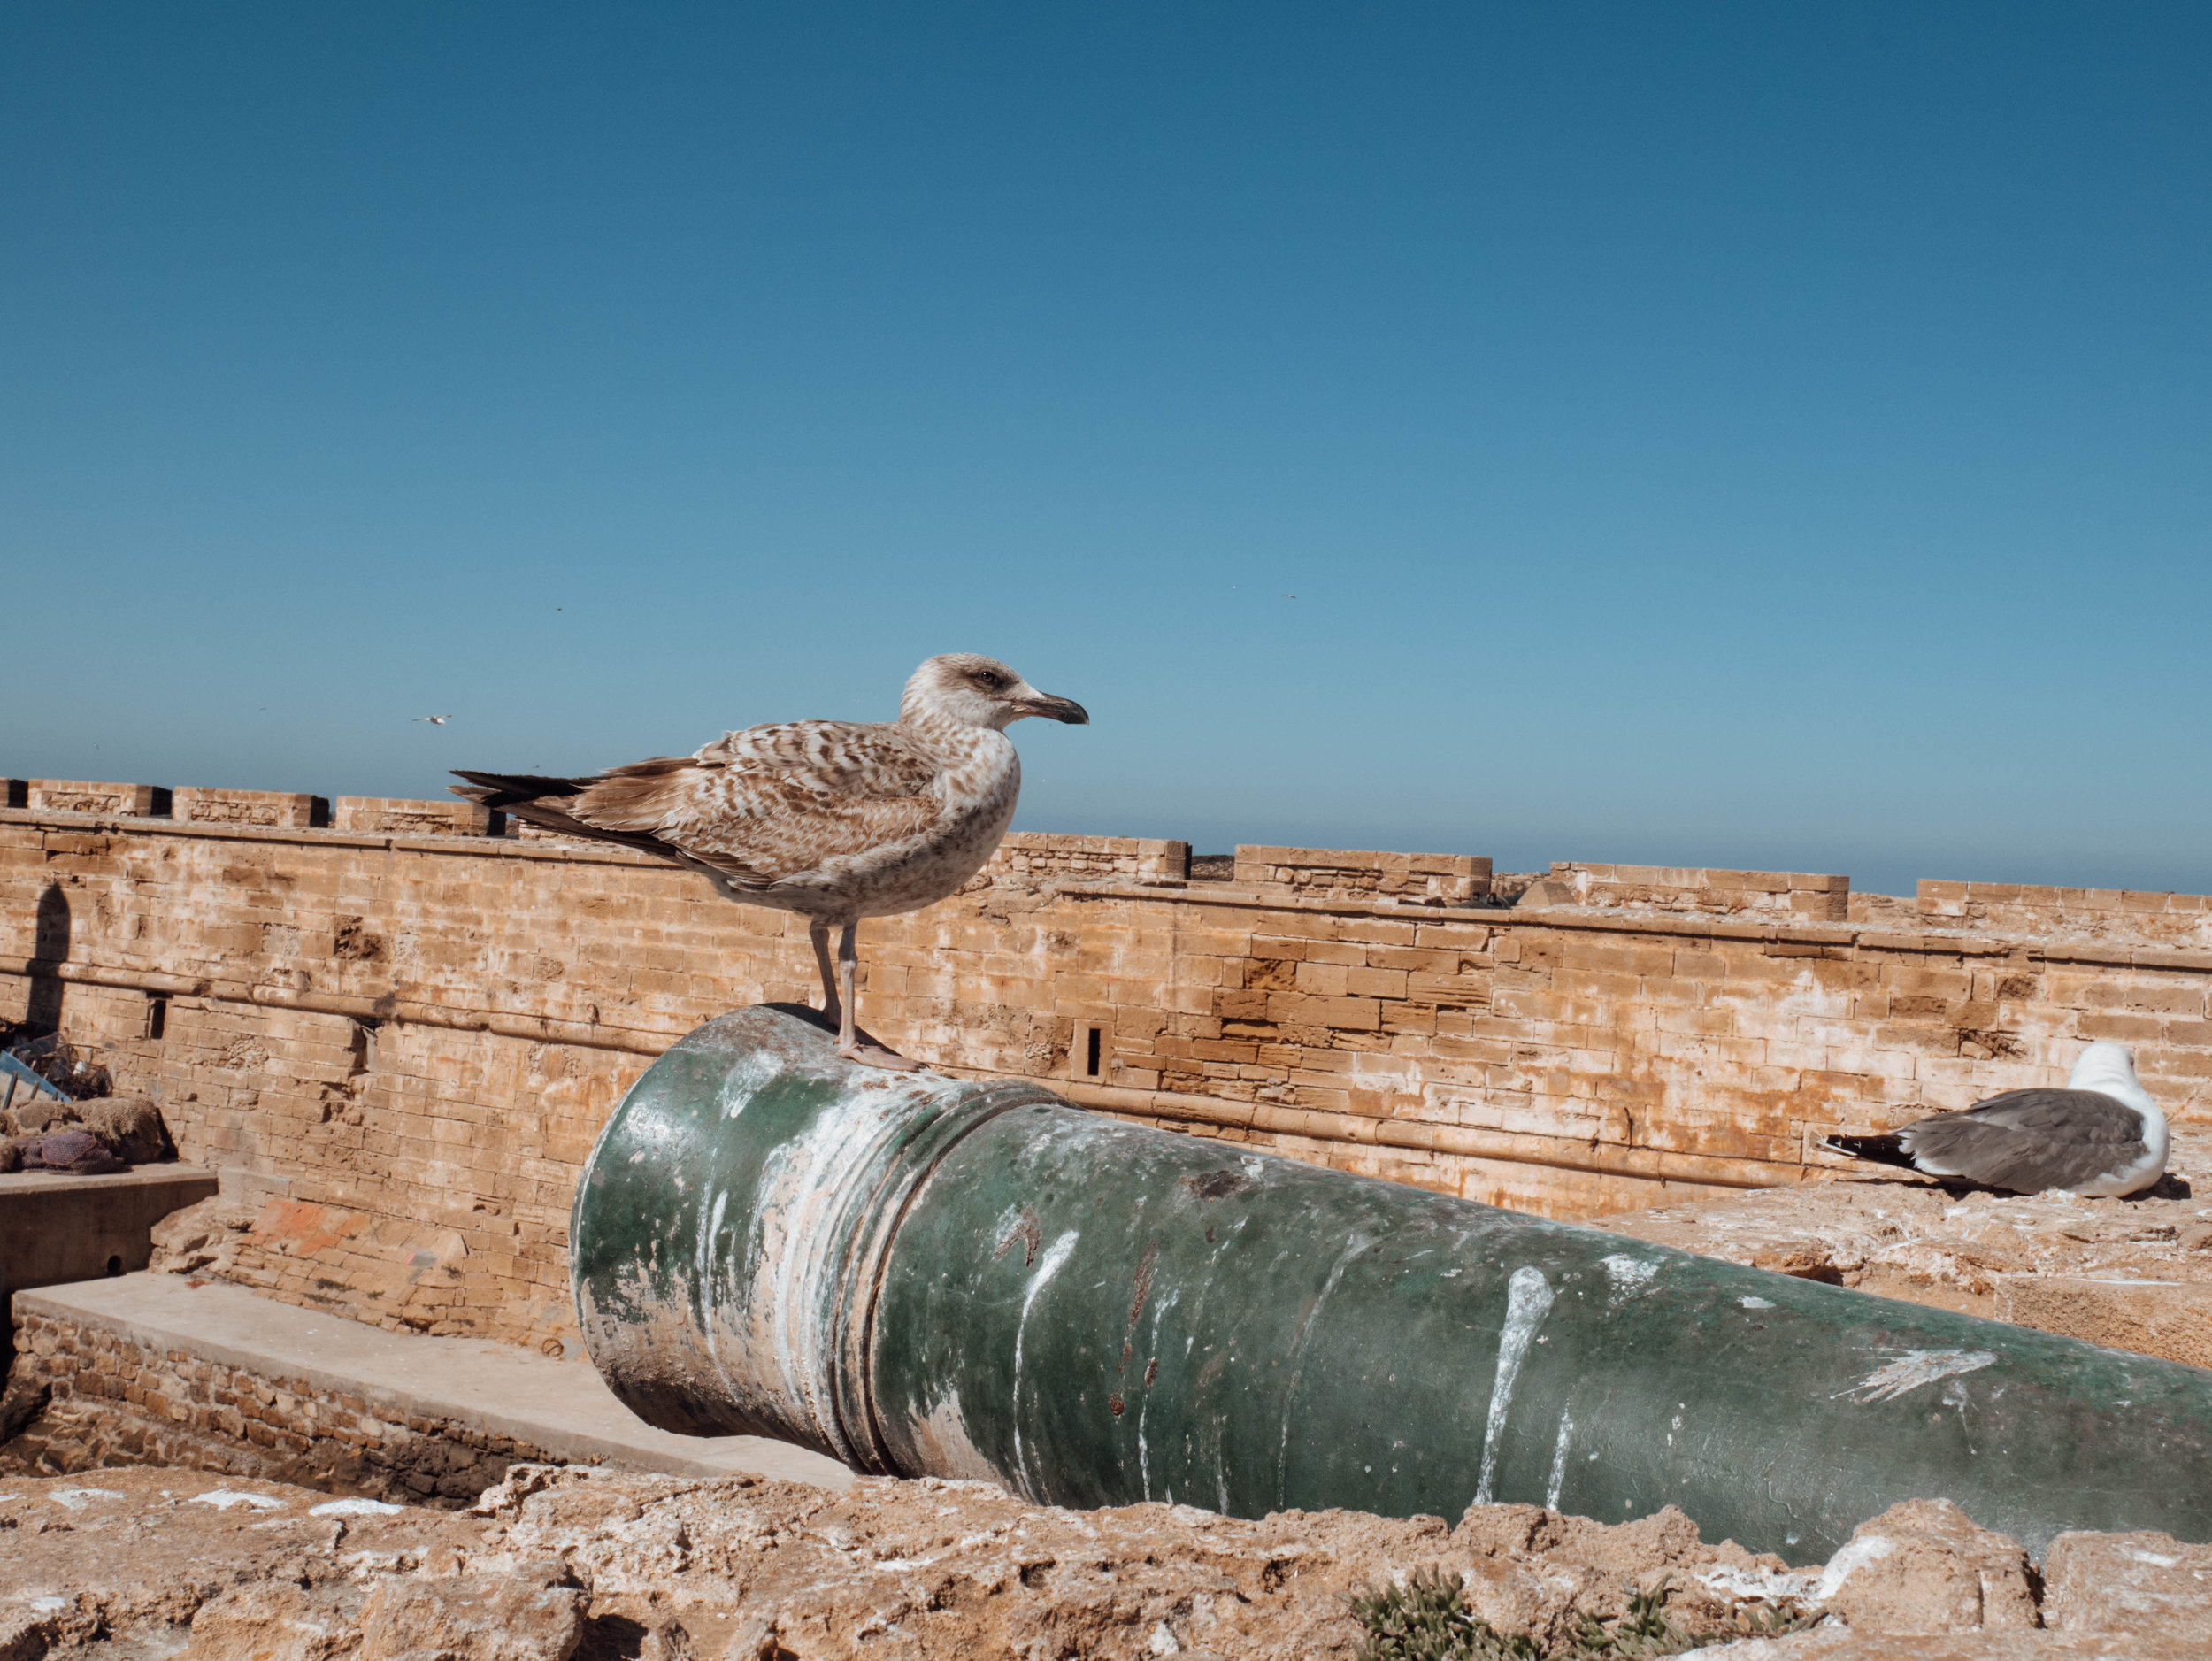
(2140,1582)
(1924,1567)
(2128,1273)
(555,1564)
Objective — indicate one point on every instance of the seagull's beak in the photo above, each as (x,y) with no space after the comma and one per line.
(1034,702)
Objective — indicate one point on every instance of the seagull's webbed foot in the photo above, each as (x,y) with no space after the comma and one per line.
(871,1054)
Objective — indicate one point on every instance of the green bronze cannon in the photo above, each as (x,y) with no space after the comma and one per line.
(926,1276)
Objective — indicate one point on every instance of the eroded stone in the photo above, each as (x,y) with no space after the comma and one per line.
(1923,1566)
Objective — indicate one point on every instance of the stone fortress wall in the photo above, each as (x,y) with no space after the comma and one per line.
(397,1028)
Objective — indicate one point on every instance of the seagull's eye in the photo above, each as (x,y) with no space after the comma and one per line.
(989,681)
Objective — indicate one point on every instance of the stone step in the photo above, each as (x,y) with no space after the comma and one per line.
(341,1404)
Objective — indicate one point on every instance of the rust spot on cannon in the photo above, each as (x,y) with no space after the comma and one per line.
(1142,1291)
(1027,1229)
(1213,1185)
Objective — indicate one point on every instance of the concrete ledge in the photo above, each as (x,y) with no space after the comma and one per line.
(560,1408)
(59,1228)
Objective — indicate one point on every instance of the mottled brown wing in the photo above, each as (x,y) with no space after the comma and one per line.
(864,758)
(773,803)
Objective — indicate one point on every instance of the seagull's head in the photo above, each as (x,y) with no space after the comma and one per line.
(973,690)
(2108,1067)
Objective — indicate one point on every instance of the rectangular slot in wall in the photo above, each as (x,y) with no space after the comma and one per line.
(1093,1051)
(156,1014)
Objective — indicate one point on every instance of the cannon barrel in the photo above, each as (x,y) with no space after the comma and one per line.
(927,1276)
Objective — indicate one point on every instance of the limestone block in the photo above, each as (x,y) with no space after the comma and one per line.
(198,1236)
(2129,1583)
(278,810)
(1506,1595)
(397,816)
(77,796)
(2121,915)
(1923,1566)
(1807,896)
(1034,855)
(2151,1318)
(1338,873)
(275,1623)
(519,1617)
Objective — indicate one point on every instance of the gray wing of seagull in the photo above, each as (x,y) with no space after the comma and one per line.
(2029,1140)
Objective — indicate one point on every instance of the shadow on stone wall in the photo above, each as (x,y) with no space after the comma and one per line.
(49,950)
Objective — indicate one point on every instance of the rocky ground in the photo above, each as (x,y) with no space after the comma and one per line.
(2128,1273)
(122,1563)
(555,1564)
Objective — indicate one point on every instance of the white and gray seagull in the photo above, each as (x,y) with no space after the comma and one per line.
(836,821)
(2102,1134)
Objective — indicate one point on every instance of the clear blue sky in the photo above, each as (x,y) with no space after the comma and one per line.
(1732,434)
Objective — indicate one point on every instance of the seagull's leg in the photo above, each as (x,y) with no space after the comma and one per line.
(850,1044)
(818,931)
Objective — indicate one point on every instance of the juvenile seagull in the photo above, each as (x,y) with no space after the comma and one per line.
(836,821)
(2101,1135)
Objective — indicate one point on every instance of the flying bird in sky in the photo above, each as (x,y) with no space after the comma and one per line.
(836,821)
(2101,1134)
(435,721)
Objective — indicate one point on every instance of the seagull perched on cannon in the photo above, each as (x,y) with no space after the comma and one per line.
(836,821)
(2102,1134)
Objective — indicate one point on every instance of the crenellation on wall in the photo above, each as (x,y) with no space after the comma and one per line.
(1337,873)
(398,816)
(1033,856)
(2116,914)
(81,795)
(1777,894)
(282,809)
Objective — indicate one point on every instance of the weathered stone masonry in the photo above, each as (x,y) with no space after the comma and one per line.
(407,1032)
(119,1401)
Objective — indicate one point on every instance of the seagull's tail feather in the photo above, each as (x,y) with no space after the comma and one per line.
(1882,1150)
(504,790)
(536,799)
